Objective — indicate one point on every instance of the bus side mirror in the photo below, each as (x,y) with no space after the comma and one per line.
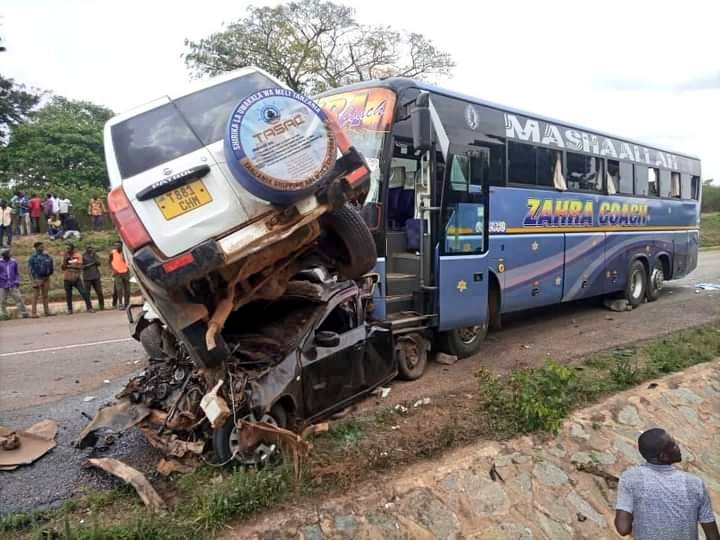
(422,123)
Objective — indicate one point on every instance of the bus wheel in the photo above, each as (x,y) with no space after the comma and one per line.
(636,283)
(412,356)
(463,342)
(656,281)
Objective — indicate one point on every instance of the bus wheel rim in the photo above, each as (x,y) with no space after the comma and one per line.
(636,284)
(468,334)
(658,279)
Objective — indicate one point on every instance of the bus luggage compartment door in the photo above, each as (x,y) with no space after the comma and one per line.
(462,290)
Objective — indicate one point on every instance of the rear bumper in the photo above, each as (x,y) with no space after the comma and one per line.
(205,258)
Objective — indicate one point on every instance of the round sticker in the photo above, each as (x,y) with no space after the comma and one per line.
(279,145)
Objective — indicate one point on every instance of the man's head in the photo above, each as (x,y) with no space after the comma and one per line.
(39,247)
(33,195)
(118,245)
(657,446)
(48,195)
(5,253)
(3,205)
(69,247)
(89,249)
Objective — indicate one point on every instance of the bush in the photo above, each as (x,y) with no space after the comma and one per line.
(530,399)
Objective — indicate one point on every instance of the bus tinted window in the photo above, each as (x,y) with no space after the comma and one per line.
(521,163)
(664,183)
(584,172)
(641,180)
(627,178)
(545,166)
(653,181)
(675,185)
(695,187)
(496,166)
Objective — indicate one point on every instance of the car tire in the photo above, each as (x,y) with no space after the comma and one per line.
(151,339)
(636,283)
(278,180)
(412,356)
(347,241)
(222,436)
(462,342)
(655,281)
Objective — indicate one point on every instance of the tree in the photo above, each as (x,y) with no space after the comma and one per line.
(59,145)
(16,101)
(313,45)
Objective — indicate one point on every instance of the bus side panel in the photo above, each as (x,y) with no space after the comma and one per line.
(693,245)
(462,289)
(534,266)
(584,265)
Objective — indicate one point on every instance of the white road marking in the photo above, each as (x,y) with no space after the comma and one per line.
(64,347)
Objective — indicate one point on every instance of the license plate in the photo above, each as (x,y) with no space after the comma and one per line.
(183,199)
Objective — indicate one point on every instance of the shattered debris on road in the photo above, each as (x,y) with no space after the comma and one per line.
(23,447)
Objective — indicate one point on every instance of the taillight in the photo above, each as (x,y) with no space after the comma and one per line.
(131,230)
(178,262)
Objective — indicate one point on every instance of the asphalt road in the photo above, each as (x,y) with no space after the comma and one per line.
(41,360)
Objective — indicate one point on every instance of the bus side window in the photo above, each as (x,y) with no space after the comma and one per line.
(664,183)
(695,183)
(627,178)
(584,173)
(675,188)
(653,181)
(465,206)
(641,180)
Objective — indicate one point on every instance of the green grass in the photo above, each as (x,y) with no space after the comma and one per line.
(710,230)
(374,442)
(102,241)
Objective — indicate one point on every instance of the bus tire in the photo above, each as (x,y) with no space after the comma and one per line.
(636,283)
(412,357)
(348,242)
(462,342)
(224,437)
(655,281)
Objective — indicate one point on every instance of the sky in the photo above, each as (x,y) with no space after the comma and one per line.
(648,71)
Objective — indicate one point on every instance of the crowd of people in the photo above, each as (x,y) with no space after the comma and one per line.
(81,273)
(23,215)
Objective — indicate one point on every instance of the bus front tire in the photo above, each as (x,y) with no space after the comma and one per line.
(655,281)
(462,342)
(636,283)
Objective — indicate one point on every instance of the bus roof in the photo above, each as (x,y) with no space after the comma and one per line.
(402,83)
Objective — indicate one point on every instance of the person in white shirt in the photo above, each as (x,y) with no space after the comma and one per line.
(55,205)
(64,205)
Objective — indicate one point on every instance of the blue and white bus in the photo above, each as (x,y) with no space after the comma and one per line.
(479,210)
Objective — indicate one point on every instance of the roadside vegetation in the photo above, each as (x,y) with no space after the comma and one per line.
(366,445)
(710,230)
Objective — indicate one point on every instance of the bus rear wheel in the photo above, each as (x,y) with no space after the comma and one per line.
(656,281)
(463,342)
(636,283)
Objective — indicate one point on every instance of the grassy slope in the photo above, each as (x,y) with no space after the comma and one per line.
(710,230)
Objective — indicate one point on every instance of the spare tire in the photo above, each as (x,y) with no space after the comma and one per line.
(279,145)
(347,241)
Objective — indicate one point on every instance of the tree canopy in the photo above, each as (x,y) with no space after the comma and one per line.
(16,101)
(313,45)
(60,144)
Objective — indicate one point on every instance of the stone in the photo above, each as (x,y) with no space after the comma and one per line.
(345,524)
(311,532)
(445,359)
(505,531)
(426,510)
(581,457)
(629,451)
(484,495)
(578,431)
(557,451)
(549,474)
(602,457)
(520,459)
(619,304)
(586,509)
(522,481)
(690,415)
(629,416)
(552,529)
(685,395)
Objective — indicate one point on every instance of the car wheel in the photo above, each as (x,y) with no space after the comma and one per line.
(655,282)
(258,154)
(151,339)
(636,283)
(348,242)
(463,342)
(226,441)
(412,357)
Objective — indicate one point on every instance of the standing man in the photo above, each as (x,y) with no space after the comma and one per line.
(121,275)
(72,266)
(10,284)
(64,205)
(6,224)
(96,211)
(41,268)
(91,274)
(35,209)
(655,500)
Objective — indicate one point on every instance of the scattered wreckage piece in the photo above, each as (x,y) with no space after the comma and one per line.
(167,466)
(171,445)
(133,477)
(23,447)
(118,417)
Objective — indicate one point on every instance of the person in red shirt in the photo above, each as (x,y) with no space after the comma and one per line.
(35,209)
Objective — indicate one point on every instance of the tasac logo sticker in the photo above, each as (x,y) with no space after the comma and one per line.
(576,213)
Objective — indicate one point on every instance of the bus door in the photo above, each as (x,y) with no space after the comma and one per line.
(462,276)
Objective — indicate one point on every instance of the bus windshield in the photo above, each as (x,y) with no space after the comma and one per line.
(366,116)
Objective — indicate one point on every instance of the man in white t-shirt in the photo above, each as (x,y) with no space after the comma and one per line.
(64,206)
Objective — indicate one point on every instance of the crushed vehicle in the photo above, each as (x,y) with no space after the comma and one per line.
(224,191)
(293,361)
